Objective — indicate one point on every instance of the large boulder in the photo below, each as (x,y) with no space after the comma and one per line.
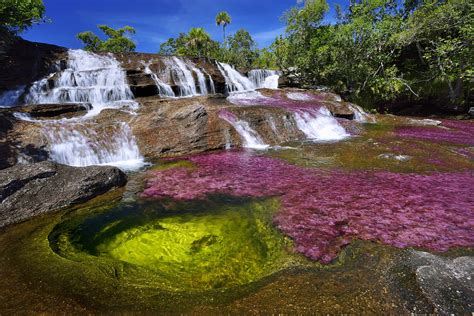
(30,190)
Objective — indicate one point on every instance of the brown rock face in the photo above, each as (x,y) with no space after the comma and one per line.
(30,190)
(24,62)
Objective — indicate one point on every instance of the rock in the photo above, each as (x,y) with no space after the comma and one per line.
(447,283)
(53,110)
(29,190)
(424,122)
(25,62)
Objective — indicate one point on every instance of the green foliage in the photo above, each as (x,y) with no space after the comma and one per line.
(196,43)
(223,19)
(380,51)
(241,49)
(18,15)
(117,41)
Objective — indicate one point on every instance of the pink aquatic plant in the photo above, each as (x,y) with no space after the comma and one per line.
(323,211)
(456,132)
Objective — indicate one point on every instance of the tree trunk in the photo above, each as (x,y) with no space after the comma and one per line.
(223,28)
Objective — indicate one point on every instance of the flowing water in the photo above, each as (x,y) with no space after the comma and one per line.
(235,81)
(320,125)
(89,78)
(12,97)
(83,144)
(98,81)
(164,90)
(263,78)
(250,137)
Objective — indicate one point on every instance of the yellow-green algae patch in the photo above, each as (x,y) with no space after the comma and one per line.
(191,246)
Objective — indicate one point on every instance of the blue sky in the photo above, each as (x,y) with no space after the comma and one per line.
(157,20)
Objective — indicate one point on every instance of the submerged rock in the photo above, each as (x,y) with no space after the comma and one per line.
(30,190)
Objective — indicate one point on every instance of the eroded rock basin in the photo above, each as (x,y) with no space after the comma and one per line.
(380,222)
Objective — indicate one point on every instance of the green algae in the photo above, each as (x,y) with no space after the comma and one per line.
(215,245)
(164,165)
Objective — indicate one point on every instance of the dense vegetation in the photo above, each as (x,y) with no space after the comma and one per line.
(116,42)
(381,50)
(18,15)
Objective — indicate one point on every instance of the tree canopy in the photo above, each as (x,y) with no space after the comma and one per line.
(19,15)
(381,50)
(223,19)
(116,42)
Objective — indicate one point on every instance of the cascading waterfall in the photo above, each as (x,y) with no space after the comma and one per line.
(201,80)
(320,125)
(77,144)
(211,83)
(99,81)
(89,78)
(250,137)
(263,78)
(182,76)
(235,81)
(164,90)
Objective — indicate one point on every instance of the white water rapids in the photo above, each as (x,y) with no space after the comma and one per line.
(97,80)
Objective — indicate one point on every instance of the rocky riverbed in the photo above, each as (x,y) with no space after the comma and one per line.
(144,183)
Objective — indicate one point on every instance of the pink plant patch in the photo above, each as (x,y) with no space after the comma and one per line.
(458,132)
(323,211)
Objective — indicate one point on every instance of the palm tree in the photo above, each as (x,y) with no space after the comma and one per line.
(223,19)
(198,39)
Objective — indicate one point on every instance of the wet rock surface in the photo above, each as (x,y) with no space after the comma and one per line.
(30,190)
(445,282)
(52,110)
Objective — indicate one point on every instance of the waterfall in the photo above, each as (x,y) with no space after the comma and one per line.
(77,144)
(211,83)
(182,76)
(320,125)
(97,80)
(201,80)
(360,115)
(263,78)
(164,90)
(89,78)
(10,98)
(249,136)
(235,81)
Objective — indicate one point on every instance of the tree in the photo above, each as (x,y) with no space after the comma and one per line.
(198,41)
(18,15)
(223,19)
(117,41)
(241,50)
